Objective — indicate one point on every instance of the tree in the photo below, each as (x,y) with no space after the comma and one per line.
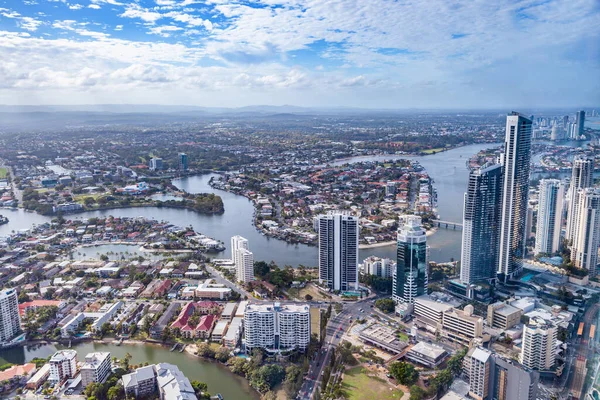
(126,361)
(201,389)
(223,354)
(308,297)
(416,393)
(267,377)
(239,366)
(204,350)
(386,305)
(404,373)
(293,380)
(115,392)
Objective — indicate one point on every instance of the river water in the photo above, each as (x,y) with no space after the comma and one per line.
(448,170)
(218,377)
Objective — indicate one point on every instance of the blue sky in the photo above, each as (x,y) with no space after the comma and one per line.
(366,53)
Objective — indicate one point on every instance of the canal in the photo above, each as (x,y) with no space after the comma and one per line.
(217,376)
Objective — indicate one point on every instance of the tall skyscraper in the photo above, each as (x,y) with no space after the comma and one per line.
(183,162)
(581,177)
(156,164)
(586,237)
(242,258)
(517,155)
(580,122)
(538,349)
(410,276)
(338,251)
(10,321)
(481,224)
(549,217)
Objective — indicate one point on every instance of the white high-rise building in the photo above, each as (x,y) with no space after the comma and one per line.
(276,327)
(10,321)
(243,259)
(538,350)
(96,368)
(409,278)
(549,217)
(63,365)
(480,369)
(581,178)
(378,266)
(586,237)
(338,251)
(516,159)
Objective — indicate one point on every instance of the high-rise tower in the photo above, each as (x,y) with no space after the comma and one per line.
(410,276)
(581,177)
(586,235)
(579,122)
(338,251)
(481,224)
(549,217)
(10,321)
(242,258)
(517,155)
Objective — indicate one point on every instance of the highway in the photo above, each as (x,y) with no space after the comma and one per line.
(584,350)
(336,327)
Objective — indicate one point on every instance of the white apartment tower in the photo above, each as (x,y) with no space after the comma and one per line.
(242,258)
(276,327)
(581,178)
(63,365)
(516,159)
(586,230)
(338,251)
(538,351)
(549,217)
(10,321)
(480,365)
(96,368)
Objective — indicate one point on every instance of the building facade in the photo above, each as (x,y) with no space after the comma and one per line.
(538,349)
(515,192)
(276,327)
(581,178)
(579,123)
(10,321)
(156,164)
(63,365)
(549,217)
(481,225)
(586,238)
(183,162)
(96,368)
(410,276)
(377,266)
(338,251)
(243,259)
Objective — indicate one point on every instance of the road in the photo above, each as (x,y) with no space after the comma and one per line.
(584,350)
(336,327)
(219,278)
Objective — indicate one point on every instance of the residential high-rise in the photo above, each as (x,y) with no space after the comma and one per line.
(581,177)
(156,164)
(515,191)
(10,321)
(492,377)
(579,122)
(277,327)
(586,237)
(549,216)
(165,380)
(410,276)
(183,162)
(538,349)
(338,251)
(481,224)
(63,365)
(96,368)
(242,258)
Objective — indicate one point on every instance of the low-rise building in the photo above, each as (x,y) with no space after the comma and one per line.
(382,337)
(39,378)
(503,316)
(426,354)
(461,325)
(234,332)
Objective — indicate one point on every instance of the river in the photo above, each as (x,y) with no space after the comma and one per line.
(218,377)
(447,169)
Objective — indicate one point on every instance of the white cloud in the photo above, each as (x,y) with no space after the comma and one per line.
(165,30)
(136,11)
(75,6)
(94,6)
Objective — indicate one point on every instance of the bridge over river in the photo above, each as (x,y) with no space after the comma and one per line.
(446,224)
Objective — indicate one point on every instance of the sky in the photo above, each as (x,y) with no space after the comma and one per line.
(314,53)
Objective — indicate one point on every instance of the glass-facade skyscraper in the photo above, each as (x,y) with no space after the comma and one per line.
(410,275)
(515,193)
(338,251)
(481,224)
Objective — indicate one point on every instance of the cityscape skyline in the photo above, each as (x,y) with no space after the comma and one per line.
(298,52)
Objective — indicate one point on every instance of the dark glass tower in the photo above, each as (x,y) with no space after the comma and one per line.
(481,224)
(410,275)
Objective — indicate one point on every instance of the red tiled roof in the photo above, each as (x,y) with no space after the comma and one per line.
(17,370)
(206,322)
(37,303)
(184,315)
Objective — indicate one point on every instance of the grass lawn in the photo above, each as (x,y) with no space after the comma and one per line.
(431,151)
(316,294)
(403,336)
(3,173)
(359,386)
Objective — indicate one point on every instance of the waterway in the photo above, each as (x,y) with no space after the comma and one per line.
(447,169)
(218,377)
